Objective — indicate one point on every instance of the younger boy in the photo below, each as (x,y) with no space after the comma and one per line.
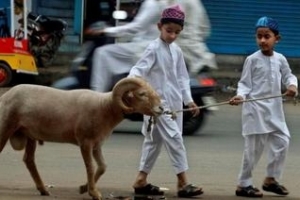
(162,64)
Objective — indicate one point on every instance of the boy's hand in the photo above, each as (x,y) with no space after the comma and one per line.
(195,111)
(236,100)
(291,91)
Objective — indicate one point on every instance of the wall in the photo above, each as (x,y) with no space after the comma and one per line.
(233,24)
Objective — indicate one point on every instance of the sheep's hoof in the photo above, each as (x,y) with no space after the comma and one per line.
(45,193)
(95,195)
(97,198)
(83,189)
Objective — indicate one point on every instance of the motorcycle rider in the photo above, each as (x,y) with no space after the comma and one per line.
(115,59)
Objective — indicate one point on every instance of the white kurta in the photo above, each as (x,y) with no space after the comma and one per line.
(162,65)
(263,76)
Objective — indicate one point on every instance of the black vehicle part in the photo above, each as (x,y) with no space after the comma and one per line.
(44,54)
(45,37)
(192,124)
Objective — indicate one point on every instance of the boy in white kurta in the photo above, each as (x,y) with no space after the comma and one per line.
(263,121)
(162,64)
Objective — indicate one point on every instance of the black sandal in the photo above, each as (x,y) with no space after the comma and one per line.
(148,189)
(189,191)
(249,191)
(275,188)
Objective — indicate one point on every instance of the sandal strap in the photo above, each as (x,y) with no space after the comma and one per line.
(149,189)
(249,191)
(276,188)
(189,190)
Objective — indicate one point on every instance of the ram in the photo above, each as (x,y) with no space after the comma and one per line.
(32,113)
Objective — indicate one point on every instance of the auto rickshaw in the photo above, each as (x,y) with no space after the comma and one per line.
(15,56)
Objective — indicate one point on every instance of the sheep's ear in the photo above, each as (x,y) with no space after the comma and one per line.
(126,99)
(130,94)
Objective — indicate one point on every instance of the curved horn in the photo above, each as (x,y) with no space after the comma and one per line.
(123,86)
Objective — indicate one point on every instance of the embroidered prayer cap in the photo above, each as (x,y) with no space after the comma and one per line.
(173,14)
(268,22)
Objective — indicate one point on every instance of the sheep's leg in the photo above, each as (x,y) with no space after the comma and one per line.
(86,151)
(31,166)
(98,156)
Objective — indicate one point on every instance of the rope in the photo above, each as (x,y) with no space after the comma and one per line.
(173,113)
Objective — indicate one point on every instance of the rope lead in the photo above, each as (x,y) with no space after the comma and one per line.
(173,113)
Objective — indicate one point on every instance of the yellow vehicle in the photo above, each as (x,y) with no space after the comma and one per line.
(15,56)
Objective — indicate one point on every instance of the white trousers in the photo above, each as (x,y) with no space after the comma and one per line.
(165,132)
(276,144)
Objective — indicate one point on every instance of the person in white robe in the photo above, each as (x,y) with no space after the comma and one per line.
(263,121)
(111,61)
(192,40)
(163,66)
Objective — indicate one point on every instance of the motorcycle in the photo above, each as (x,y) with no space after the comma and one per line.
(202,86)
(44,35)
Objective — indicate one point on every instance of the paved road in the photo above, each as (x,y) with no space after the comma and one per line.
(214,157)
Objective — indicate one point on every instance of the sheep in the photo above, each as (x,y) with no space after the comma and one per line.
(33,113)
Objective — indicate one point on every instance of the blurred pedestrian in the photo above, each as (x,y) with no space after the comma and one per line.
(263,121)
(112,60)
(116,59)
(162,64)
(192,40)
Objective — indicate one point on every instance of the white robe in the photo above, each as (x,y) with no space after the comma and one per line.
(192,40)
(263,76)
(162,65)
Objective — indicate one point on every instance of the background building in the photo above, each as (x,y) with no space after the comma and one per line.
(232,21)
(233,24)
